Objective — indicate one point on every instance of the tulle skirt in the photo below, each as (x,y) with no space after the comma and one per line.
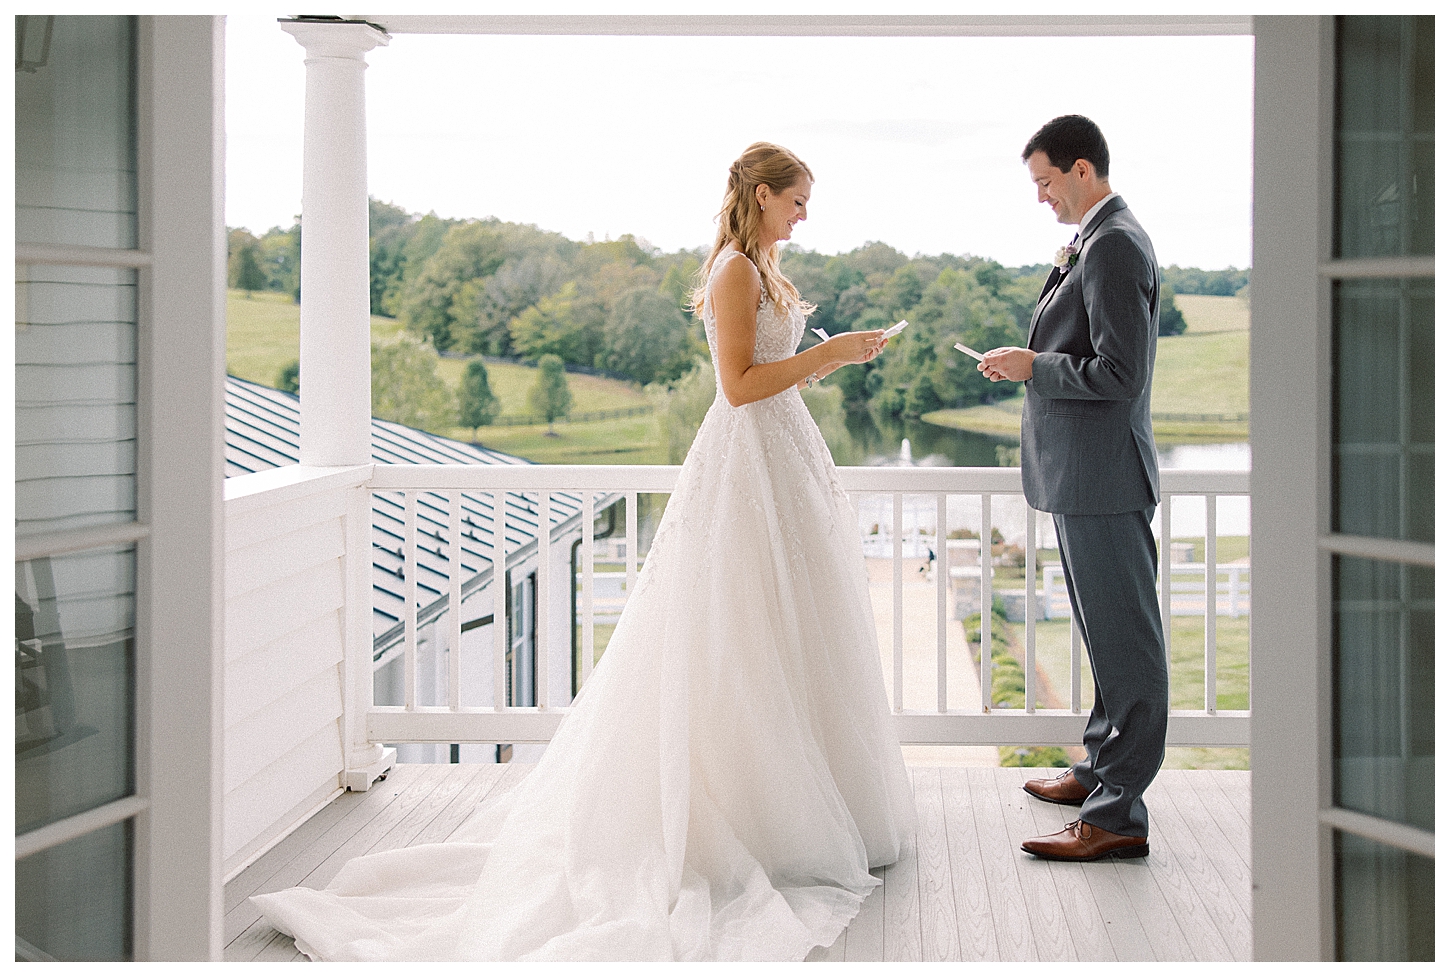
(727,775)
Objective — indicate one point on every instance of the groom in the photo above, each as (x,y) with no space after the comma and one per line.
(1088,458)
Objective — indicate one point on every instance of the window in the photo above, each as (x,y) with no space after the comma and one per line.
(76,505)
(1383,508)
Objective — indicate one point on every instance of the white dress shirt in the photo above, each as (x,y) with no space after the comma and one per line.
(1092,212)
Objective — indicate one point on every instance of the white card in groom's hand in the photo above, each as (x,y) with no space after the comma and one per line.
(969,351)
(894,330)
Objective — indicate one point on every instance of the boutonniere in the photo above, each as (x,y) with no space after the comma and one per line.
(1066,256)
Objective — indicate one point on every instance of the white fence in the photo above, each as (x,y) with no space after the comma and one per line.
(1190,582)
(932,491)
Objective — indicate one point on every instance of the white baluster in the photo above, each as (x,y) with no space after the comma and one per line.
(631,541)
(1029,616)
(984,559)
(1210,604)
(1075,663)
(943,580)
(896,623)
(1165,575)
(500,600)
(542,645)
(455,600)
(586,592)
(410,600)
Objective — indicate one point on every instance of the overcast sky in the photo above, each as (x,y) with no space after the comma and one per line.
(913,141)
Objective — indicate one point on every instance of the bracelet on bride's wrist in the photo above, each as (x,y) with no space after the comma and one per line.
(812,380)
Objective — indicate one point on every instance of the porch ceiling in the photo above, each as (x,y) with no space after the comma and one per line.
(931,25)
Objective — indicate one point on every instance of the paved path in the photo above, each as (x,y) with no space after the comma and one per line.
(918,647)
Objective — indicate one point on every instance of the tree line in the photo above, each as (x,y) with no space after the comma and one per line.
(511,290)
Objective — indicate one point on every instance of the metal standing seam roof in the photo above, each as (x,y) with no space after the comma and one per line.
(263,431)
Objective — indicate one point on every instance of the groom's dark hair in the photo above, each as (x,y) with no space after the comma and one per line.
(1069,138)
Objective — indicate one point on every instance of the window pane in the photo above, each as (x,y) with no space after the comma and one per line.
(75,131)
(1384,902)
(1384,408)
(1384,690)
(1385,137)
(75,398)
(75,673)
(73,901)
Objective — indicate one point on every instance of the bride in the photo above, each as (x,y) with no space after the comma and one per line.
(729,774)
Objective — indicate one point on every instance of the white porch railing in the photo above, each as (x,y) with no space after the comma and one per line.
(984,724)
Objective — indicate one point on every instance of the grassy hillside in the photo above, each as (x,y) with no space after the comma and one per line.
(262,337)
(263,332)
(1214,313)
(1203,371)
(510,383)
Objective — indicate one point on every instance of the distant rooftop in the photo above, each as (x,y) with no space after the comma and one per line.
(263,431)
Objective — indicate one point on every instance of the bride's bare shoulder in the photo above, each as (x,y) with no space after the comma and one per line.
(735,274)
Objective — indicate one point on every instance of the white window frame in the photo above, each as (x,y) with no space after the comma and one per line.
(180,262)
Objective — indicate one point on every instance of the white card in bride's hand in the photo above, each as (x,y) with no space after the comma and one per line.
(820,332)
(969,351)
(894,330)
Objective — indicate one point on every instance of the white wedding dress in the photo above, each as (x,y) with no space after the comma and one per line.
(727,774)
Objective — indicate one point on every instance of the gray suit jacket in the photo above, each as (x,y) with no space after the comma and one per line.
(1087,431)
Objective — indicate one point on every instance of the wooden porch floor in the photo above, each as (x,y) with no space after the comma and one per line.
(967,893)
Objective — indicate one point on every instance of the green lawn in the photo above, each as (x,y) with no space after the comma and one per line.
(1054,654)
(1214,313)
(1204,371)
(263,332)
(510,383)
(626,441)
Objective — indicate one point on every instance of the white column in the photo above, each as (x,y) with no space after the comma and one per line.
(1289,629)
(336,362)
(336,368)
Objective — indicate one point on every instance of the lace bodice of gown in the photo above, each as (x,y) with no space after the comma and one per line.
(777,333)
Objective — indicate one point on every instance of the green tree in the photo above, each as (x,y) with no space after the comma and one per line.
(484,308)
(554,326)
(647,338)
(1170,316)
(679,282)
(920,370)
(406,385)
(900,293)
(470,253)
(549,397)
(244,264)
(827,407)
(1196,281)
(281,256)
(390,229)
(681,407)
(875,261)
(467,252)
(288,378)
(477,405)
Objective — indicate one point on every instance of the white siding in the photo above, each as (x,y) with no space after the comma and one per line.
(285,590)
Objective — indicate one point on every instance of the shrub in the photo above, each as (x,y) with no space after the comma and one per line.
(1009,688)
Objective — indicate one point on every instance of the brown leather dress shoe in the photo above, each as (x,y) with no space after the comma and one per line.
(1062,789)
(1083,842)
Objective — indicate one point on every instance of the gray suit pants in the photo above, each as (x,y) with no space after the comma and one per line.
(1110,567)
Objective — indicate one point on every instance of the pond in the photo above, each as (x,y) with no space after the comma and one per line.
(934,446)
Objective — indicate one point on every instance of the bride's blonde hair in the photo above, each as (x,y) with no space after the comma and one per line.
(739,220)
